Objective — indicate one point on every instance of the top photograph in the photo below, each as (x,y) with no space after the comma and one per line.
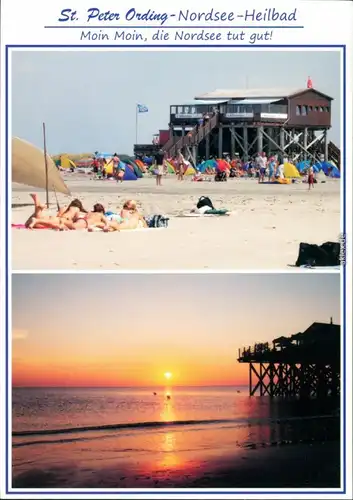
(175,160)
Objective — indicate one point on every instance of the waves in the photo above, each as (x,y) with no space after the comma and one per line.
(160,424)
(117,427)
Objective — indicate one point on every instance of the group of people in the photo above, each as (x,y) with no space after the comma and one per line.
(160,165)
(271,168)
(101,166)
(75,216)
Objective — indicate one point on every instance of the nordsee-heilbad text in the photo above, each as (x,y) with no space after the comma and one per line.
(95,15)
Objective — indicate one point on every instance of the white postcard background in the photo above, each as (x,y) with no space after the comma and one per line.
(36,23)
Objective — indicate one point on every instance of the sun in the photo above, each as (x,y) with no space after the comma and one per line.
(168,375)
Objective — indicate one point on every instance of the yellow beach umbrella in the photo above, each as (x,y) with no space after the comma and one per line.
(28,167)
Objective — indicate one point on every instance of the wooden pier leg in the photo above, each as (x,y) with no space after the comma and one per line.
(232,142)
(281,143)
(306,143)
(246,143)
(220,141)
(207,147)
(250,379)
(326,146)
(260,139)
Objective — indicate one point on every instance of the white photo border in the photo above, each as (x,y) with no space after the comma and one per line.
(170,493)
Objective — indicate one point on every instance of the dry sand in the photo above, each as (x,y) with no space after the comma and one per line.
(264,232)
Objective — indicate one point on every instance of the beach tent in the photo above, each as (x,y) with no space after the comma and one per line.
(326,166)
(141,165)
(65,162)
(129,174)
(170,167)
(335,173)
(303,165)
(290,171)
(135,167)
(208,166)
(189,170)
(84,163)
(104,155)
(109,166)
(147,160)
(222,165)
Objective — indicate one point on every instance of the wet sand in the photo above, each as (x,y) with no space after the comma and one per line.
(281,452)
(307,465)
(264,231)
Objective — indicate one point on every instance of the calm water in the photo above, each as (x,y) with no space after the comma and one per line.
(43,409)
(131,437)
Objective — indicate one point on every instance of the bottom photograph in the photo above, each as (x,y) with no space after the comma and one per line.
(176,381)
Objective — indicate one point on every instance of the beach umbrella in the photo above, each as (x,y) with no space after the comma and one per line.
(28,167)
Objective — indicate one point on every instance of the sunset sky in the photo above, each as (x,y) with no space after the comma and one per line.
(129,330)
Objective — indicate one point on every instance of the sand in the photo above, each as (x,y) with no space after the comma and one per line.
(264,231)
(82,465)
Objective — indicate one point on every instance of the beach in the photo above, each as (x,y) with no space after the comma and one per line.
(267,224)
(201,437)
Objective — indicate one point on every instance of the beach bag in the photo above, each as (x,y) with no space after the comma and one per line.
(204,201)
(157,221)
(220,177)
(325,255)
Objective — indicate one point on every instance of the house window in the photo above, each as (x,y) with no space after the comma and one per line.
(298,110)
(310,109)
(316,108)
(173,110)
(321,109)
(180,110)
(304,110)
(327,109)
(186,110)
(193,110)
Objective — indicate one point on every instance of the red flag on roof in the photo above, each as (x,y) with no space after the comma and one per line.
(309,83)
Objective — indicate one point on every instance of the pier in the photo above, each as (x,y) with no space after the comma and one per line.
(289,123)
(305,364)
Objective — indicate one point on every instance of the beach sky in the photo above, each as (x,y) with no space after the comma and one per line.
(88,98)
(130,330)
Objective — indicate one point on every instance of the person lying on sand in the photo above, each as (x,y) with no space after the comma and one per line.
(97,219)
(130,218)
(64,218)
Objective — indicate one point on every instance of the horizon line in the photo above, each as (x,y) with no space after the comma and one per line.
(119,386)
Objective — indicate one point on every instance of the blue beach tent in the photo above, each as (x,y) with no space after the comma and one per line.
(129,174)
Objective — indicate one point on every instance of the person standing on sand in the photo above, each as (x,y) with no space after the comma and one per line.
(180,165)
(261,166)
(159,165)
(311,177)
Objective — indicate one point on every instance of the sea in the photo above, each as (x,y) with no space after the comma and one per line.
(80,436)
(46,411)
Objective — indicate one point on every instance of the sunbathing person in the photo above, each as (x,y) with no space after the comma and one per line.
(61,221)
(97,219)
(130,218)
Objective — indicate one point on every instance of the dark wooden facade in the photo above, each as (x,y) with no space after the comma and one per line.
(310,109)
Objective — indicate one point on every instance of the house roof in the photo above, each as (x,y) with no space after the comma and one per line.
(208,102)
(279,340)
(279,93)
(317,329)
